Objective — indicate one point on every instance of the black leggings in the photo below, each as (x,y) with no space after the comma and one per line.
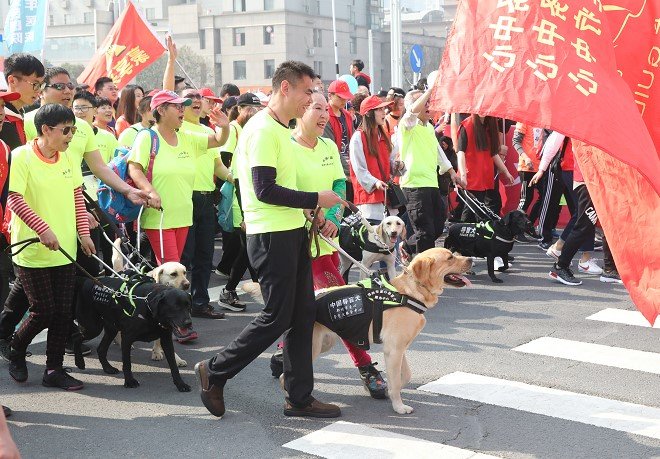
(241,263)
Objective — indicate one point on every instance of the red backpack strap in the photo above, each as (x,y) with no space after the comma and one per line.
(152,154)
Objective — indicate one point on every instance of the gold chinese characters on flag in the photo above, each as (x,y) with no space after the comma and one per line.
(129,48)
(585,68)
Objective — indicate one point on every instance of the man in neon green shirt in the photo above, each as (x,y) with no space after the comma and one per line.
(277,248)
(200,243)
(424,160)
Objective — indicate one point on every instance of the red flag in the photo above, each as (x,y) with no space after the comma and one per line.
(552,64)
(129,48)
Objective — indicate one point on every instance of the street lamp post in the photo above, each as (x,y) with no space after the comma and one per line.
(396,48)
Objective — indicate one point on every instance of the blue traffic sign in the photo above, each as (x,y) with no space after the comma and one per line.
(416,58)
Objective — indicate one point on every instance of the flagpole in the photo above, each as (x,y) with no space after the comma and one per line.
(334,37)
(43,45)
(186,74)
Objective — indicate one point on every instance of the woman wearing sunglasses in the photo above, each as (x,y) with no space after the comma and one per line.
(172,178)
(45,195)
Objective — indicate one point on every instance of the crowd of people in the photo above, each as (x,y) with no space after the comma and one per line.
(287,153)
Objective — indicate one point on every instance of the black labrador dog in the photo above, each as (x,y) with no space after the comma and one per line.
(488,239)
(146,311)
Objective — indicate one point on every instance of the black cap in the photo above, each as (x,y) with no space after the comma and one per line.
(229,103)
(248,99)
(396,92)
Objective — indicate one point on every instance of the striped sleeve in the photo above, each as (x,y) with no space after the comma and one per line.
(17,205)
(82,224)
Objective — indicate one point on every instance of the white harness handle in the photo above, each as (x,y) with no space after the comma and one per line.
(160,232)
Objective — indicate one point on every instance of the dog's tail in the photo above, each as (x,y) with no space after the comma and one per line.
(254,290)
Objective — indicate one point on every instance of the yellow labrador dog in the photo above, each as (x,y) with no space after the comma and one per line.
(422,281)
(377,244)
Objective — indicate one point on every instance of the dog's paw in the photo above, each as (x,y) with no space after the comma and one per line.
(180,362)
(183,387)
(502,268)
(496,280)
(109,369)
(158,355)
(403,409)
(131,383)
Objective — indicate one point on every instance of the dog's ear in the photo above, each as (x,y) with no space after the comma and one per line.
(156,274)
(404,232)
(155,301)
(422,268)
(380,232)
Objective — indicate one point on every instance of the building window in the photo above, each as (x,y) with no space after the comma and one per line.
(269,33)
(239,5)
(318,38)
(150,13)
(202,39)
(216,40)
(88,18)
(269,5)
(239,70)
(353,45)
(269,68)
(68,19)
(239,36)
(51,20)
(318,67)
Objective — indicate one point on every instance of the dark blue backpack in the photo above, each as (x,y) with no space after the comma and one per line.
(119,208)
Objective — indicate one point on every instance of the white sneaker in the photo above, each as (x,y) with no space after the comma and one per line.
(498,263)
(552,252)
(590,267)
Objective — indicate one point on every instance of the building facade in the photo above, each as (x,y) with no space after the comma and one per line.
(243,41)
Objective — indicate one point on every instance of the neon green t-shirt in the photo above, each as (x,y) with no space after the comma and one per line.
(232,140)
(173,176)
(127,136)
(419,152)
(205,163)
(317,170)
(48,189)
(107,144)
(265,142)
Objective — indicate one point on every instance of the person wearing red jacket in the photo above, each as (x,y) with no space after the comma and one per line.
(356,70)
(339,128)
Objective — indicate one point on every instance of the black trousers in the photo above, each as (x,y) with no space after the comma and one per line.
(527,195)
(285,275)
(554,188)
(467,216)
(231,246)
(583,231)
(241,264)
(427,214)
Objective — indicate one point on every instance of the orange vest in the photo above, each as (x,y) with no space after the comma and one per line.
(479,163)
(378,196)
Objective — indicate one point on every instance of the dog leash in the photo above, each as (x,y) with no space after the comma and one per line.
(160,231)
(314,233)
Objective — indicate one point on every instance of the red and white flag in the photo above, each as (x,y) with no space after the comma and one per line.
(556,64)
(129,48)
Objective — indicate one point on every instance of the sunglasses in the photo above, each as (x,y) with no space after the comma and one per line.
(194,96)
(66,129)
(61,86)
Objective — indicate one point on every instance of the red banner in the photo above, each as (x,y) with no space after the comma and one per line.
(129,48)
(552,64)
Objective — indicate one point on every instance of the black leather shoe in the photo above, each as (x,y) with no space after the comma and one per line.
(17,366)
(212,395)
(6,410)
(207,313)
(277,363)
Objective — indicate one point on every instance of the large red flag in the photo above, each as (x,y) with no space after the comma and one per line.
(552,63)
(129,48)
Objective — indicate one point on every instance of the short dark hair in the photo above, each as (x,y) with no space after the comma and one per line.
(318,76)
(229,89)
(358,64)
(23,64)
(52,72)
(86,95)
(178,79)
(52,115)
(291,71)
(102,101)
(101,82)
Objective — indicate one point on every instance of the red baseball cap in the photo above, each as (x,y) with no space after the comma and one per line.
(169,97)
(340,87)
(9,96)
(209,94)
(372,103)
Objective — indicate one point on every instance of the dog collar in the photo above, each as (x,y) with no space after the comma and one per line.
(508,241)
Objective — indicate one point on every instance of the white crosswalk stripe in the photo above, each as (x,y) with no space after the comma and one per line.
(346,440)
(622,316)
(610,356)
(586,409)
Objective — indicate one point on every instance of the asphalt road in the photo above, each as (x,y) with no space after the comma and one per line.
(566,408)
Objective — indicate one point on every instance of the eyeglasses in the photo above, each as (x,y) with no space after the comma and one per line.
(82,108)
(66,129)
(36,85)
(193,96)
(179,107)
(61,86)
(111,88)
